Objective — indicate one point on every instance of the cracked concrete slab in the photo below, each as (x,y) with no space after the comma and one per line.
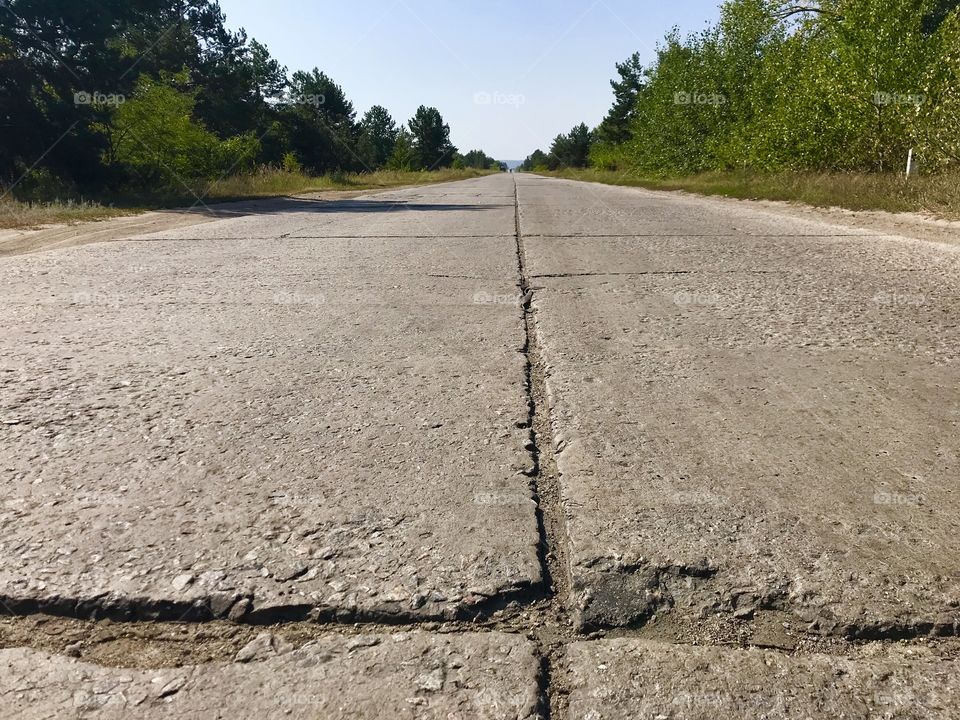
(626,679)
(732,440)
(751,413)
(265,430)
(405,675)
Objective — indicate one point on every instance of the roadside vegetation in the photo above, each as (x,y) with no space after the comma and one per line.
(263,182)
(20,214)
(157,102)
(936,194)
(821,102)
(270,182)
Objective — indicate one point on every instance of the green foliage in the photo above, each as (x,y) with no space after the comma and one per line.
(616,127)
(320,123)
(431,139)
(291,164)
(606,156)
(846,85)
(39,184)
(269,77)
(154,135)
(939,128)
(403,157)
(378,135)
(201,101)
(571,150)
(478,160)
(537,160)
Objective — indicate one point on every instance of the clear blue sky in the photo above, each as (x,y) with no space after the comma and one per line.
(507,75)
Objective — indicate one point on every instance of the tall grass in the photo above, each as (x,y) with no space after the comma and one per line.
(937,195)
(17,214)
(270,182)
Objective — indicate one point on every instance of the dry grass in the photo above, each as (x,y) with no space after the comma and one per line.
(268,182)
(16,214)
(937,195)
(260,184)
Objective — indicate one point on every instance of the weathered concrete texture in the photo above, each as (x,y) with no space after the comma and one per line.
(265,428)
(715,255)
(633,679)
(752,421)
(400,676)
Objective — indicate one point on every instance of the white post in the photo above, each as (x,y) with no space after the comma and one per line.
(911,165)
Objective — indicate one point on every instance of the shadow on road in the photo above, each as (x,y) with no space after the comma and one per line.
(60,236)
(277,206)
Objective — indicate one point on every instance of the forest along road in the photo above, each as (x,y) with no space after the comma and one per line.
(512,447)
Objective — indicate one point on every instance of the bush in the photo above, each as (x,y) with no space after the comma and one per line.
(291,164)
(848,85)
(155,136)
(43,185)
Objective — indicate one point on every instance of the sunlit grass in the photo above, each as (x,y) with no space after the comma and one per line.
(17,214)
(268,182)
(937,195)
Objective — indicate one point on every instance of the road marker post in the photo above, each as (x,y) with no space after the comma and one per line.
(912,169)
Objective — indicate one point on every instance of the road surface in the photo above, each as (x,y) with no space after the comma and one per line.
(512,447)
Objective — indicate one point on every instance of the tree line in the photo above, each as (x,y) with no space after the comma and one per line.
(106,94)
(778,85)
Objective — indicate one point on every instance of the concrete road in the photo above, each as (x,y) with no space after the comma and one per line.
(754,413)
(506,448)
(262,417)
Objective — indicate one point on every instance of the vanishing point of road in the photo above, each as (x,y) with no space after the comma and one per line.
(512,447)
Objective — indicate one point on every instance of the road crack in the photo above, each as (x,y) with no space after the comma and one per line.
(554,628)
(145,633)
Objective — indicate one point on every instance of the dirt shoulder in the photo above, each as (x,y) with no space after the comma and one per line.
(910,225)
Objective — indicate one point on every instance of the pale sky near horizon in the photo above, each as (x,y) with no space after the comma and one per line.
(507,75)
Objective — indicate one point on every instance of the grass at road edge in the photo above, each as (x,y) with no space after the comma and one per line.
(270,183)
(937,195)
(15,214)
